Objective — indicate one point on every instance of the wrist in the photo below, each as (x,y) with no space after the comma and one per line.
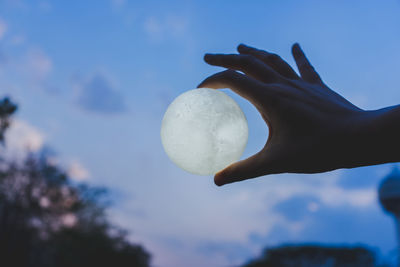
(374,137)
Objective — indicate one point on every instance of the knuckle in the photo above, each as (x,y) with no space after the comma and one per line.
(257,52)
(246,60)
(229,74)
(302,63)
(273,57)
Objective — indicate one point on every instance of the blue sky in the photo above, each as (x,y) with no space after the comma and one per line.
(94,78)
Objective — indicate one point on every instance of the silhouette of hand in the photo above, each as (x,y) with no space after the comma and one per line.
(310,126)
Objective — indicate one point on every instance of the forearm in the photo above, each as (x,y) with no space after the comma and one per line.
(375,138)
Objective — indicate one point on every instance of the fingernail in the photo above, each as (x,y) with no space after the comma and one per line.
(218,182)
(219,179)
(296,50)
(207,57)
(243,47)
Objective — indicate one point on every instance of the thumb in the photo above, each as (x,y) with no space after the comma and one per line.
(251,167)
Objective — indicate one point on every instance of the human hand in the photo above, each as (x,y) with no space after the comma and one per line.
(311,127)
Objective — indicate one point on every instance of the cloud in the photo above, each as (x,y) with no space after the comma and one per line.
(118,3)
(152,27)
(45,6)
(176,25)
(170,26)
(364,177)
(19,4)
(97,94)
(31,67)
(339,225)
(38,64)
(77,171)
(233,251)
(3,58)
(3,28)
(218,223)
(328,190)
(21,138)
(297,207)
(337,196)
(329,225)
(18,39)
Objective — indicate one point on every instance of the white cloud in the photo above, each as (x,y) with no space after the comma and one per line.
(21,138)
(3,28)
(325,188)
(78,172)
(336,196)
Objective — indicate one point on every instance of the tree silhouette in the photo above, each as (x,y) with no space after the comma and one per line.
(7,108)
(47,220)
(314,256)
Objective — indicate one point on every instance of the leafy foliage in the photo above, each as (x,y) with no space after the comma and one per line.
(7,108)
(47,220)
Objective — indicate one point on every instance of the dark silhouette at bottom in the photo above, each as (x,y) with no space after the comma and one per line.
(315,256)
(47,220)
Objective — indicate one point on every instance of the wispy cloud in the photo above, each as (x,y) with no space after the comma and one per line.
(16,40)
(45,6)
(3,28)
(97,94)
(118,3)
(281,209)
(19,4)
(169,26)
(152,27)
(38,64)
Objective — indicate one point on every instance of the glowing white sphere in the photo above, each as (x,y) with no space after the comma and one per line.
(203,131)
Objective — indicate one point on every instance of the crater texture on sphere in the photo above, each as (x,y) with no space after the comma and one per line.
(203,131)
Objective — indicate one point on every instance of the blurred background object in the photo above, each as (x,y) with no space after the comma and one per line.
(389,196)
(315,256)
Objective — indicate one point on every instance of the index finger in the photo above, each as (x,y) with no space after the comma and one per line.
(243,85)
